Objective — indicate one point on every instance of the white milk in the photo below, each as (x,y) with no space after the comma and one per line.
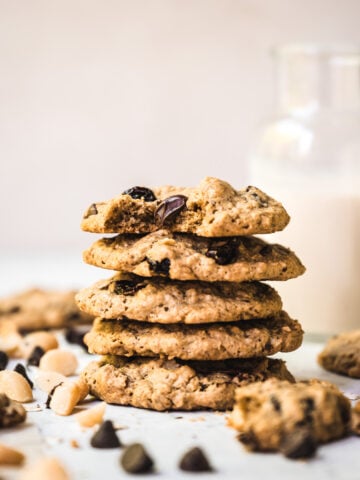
(324,232)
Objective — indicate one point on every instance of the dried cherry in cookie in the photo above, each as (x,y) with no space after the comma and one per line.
(125,287)
(140,192)
(161,267)
(223,251)
(169,208)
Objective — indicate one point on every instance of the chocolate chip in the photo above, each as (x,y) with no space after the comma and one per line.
(19,368)
(4,400)
(35,356)
(125,287)
(105,436)
(195,461)
(169,208)
(140,192)
(4,359)
(76,336)
(275,402)
(51,393)
(266,250)
(161,267)
(135,459)
(15,309)
(249,440)
(223,252)
(344,410)
(262,202)
(308,404)
(92,210)
(298,444)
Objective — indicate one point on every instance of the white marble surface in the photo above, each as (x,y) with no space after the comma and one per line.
(165,435)
(168,435)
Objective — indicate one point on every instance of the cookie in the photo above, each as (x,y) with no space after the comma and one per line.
(182,256)
(11,412)
(162,301)
(213,209)
(162,384)
(342,354)
(269,414)
(37,309)
(219,341)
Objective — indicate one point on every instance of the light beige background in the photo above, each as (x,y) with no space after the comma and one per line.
(97,96)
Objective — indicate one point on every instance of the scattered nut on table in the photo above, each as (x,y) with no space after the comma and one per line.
(46,340)
(15,386)
(91,416)
(45,469)
(64,398)
(46,381)
(10,456)
(58,360)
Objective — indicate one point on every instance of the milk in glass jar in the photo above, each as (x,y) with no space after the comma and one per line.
(308,157)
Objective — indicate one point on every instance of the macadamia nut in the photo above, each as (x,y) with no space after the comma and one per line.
(10,456)
(65,398)
(58,360)
(15,386)
(91,416)
(45,469)
(46,340)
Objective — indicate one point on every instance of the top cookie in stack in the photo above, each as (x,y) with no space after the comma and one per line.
(186,320)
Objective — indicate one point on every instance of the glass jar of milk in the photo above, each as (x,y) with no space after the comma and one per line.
(308,157)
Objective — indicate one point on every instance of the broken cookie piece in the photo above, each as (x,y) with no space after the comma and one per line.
(11,412)
(291,418)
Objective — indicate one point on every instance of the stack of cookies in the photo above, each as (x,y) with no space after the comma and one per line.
(185,320)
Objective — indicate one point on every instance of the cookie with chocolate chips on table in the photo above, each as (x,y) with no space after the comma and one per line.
(162,384)
(182,256)
(216,341)
(159,300)
(212,209)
